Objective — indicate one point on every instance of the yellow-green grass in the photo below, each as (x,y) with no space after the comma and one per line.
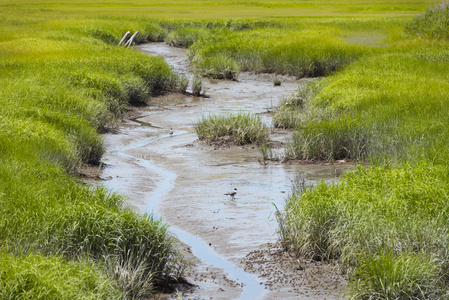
(63,82)
(214,9)
(385,224)
(45,210)
(433,24)
(299,47)
(241,128)
(185,36)
(387,105)
(52,277)
(290,111)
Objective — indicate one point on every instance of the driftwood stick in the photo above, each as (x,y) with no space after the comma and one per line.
(129,42)
(124,37)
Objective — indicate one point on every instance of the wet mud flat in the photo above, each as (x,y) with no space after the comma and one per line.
(231,243)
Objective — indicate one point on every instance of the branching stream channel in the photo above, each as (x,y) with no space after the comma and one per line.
(231,243)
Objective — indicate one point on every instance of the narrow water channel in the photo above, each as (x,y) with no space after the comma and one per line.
(252,287)
(184,182)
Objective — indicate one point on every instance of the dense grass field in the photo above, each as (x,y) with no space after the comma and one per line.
(385,223)
(214,9)
(383,102)
(62,84)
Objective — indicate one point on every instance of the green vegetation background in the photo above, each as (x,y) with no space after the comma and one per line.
(383,103)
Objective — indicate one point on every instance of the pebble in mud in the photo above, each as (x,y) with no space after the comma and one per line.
(280,270)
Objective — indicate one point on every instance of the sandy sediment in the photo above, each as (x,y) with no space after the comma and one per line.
(184,182)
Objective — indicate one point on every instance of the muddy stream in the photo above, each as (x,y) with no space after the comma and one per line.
(231,243)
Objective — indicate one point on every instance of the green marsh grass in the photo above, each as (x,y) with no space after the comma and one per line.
(386,105)
(54,214)
(62,86)
(302,53)
(182,83)
(433,24)
(386,226)
(217,67)
(299,47)
(389,276)
(277,81)
(185,37)
(52,277)
(64,80)
(216,9)
(386,108)
(197,85)
(291,112)
(241,128)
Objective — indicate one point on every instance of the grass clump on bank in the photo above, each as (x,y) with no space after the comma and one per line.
(185,37)
(53,214)
(393,276)
(299,47)
(217,67)
(290,113)
(239,129)
(386,226)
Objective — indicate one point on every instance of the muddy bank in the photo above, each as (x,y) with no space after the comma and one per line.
(184,181)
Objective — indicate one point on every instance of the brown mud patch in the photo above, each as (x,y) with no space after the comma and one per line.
(184,181)
(93,172)
(226,142)
(282,272)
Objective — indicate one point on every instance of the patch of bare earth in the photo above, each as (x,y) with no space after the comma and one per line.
(282,272)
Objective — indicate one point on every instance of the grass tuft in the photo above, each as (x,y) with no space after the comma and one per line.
(388,276)
(394,216)
(291,112)
(240,129)
(186,36)
(217,67)
(197,85)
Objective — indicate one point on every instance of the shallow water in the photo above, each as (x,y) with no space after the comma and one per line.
(183,181)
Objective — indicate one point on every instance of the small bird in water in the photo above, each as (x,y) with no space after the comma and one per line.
(170,132)
(232,193)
